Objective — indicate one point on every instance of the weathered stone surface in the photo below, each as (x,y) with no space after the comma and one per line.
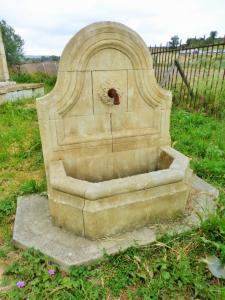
(4,73)
(109,206)
(34,228)
(12,92)
(201,204)
(6,83)
(104,156)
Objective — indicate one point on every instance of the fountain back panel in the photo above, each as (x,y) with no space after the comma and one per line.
(105,137)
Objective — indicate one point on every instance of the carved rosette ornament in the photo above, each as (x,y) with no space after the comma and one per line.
(103,92)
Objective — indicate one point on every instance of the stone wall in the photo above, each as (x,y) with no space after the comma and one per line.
(13,92)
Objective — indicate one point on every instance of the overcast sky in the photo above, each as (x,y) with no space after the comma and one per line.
(47,25)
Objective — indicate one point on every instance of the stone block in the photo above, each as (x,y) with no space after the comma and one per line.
(34,228)
(102,130)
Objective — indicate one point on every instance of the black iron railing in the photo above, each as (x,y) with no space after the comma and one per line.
(196,75)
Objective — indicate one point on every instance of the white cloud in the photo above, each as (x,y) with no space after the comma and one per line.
(47,25)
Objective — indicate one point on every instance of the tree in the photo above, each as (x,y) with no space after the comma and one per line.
(50,58)
(201,41)
(12,42)
(174,42)
(213,35)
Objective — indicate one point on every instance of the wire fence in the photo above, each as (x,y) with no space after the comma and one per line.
(196,76)
(48,68)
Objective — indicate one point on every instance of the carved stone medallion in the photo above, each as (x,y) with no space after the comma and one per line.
(103,91)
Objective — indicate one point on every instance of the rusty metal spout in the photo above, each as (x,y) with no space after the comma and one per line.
(112,93)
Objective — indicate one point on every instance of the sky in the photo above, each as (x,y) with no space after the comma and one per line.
(47,25)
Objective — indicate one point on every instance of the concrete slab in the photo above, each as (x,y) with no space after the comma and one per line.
(33,228)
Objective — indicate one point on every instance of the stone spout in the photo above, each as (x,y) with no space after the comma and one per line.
(112,93)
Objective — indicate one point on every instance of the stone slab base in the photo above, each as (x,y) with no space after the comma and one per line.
(33,228)
(6,83)
(13,92)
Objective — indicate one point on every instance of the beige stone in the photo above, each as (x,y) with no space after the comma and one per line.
(67,211)
(64,179)
(130,211)
(109,164)
(12,91)
(4,73)
(34,228)
(101,82)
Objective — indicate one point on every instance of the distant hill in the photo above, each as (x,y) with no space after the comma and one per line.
(40,58)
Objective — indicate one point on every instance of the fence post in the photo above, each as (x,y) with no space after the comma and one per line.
(183,77)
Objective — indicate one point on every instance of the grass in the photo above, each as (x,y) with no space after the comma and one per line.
(207,98)
(205,75)
(168,269)
(48,81)
(201,138)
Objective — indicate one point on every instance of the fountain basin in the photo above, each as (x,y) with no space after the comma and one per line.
(96,209)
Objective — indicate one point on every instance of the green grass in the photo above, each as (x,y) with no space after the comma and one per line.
(208,98)
(205,75)
(49,81)
(169,269)
(201,138)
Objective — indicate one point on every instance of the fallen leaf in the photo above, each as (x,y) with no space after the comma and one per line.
(215,266)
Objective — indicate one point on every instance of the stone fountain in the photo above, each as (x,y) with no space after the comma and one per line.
(111,171)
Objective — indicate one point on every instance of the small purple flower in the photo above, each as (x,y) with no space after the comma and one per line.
(51,272)
(21,284)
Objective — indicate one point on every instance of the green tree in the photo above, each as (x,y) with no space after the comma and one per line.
(213,35)
(174,42)
(12,42)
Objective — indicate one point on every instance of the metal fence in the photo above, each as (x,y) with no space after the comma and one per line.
(48,68)
(195,75)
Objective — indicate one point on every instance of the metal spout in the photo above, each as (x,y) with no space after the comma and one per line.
(112,93)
